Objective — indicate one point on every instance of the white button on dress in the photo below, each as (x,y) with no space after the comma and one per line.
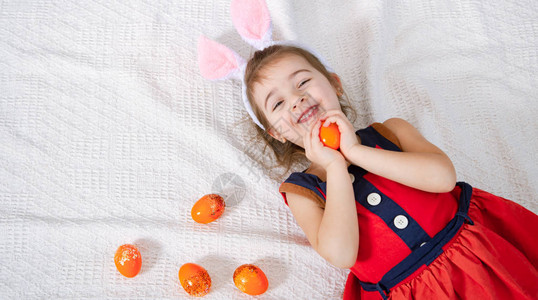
(373,199)
(401,221)
(351,177)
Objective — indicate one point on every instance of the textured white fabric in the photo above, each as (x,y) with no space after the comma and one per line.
(108,134)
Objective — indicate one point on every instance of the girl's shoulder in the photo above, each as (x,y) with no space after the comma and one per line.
(379,135)
(305,184)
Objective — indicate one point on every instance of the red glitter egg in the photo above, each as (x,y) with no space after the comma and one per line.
(208,208)
(250,279)
(194,279)
(128,260)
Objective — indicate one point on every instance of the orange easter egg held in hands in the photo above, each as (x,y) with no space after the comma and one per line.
(128,260)
(208,208)
(330,136)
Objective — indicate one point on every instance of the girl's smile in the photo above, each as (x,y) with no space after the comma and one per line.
(308,114)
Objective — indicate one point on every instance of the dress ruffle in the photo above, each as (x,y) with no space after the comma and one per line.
(496,258)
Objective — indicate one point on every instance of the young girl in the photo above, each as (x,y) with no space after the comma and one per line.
(387,205)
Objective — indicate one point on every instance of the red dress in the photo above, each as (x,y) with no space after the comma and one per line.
(418,245)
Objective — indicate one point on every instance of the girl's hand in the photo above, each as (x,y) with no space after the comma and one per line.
(316,152)
(348,138)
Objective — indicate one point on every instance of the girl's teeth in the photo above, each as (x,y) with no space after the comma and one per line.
(308,115)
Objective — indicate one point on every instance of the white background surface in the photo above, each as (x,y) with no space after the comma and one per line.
(108,134)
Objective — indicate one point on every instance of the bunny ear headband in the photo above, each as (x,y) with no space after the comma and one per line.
(252,21)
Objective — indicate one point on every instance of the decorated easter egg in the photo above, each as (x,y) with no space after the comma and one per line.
(194,279)
(250,279)
(208,208)
(128,260)
(330,136)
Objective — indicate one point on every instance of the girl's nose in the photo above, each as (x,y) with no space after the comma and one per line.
(299,101)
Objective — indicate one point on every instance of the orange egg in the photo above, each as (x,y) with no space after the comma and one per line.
(330,136)
(208,208)
(194,279)
(250,279)
(128,260)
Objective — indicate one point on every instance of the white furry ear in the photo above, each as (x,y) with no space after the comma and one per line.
(217,62)
(252,21)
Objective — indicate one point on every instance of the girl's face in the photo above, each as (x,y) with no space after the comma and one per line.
(292,95)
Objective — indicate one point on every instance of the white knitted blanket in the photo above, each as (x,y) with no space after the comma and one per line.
(108,133)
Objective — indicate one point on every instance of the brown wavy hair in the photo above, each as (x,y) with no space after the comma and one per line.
(287,153)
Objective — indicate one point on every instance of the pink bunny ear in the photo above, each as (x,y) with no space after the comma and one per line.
(217,61)
(252,20)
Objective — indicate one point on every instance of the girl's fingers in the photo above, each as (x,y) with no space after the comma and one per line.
(329,120)
(308,135)
(310,140)
(312,135)
(334,119)
(315,134)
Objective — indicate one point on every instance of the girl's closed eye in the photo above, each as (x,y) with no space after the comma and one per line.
(303,82)
(278,104)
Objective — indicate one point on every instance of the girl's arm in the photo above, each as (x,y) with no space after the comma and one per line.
(421,164)
(334,231)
